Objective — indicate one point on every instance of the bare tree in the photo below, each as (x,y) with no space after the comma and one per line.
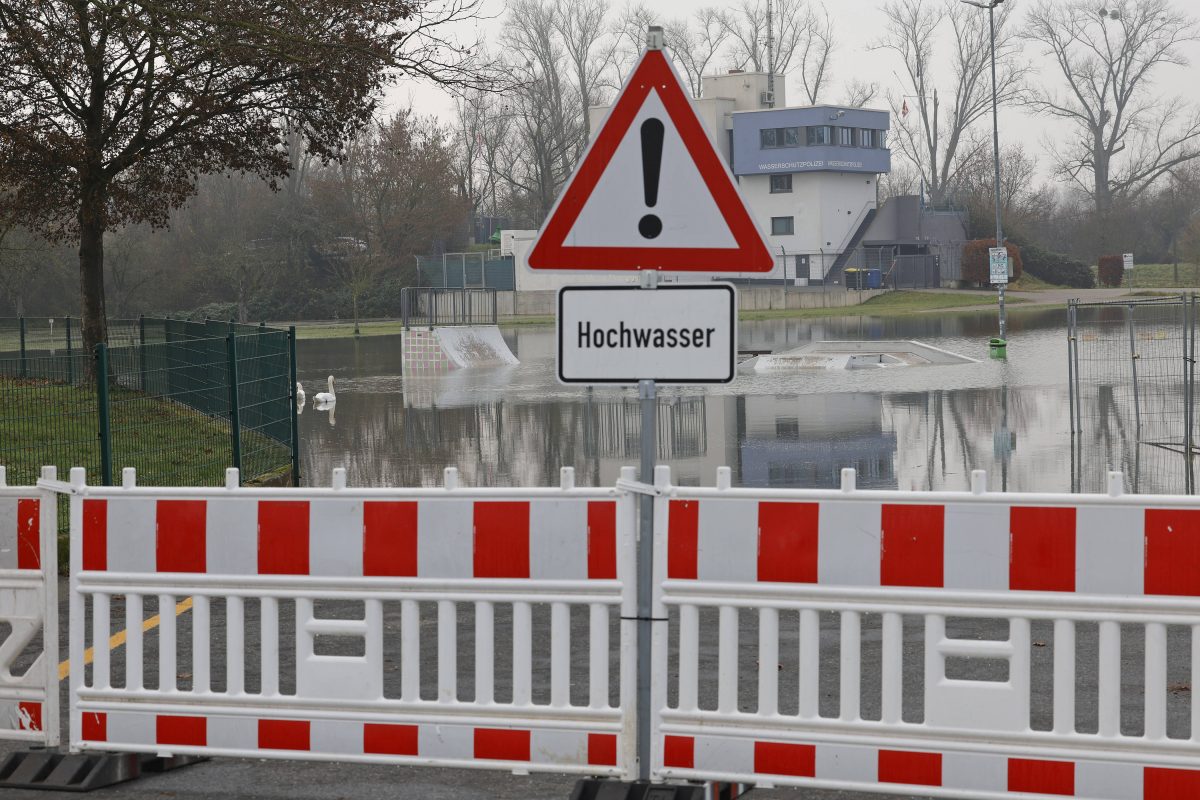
(860,92)
(1023,200)
(816,47)
(628,32)
(747,26)
(935,141)
(696,42)
(581,27)
(1124,137)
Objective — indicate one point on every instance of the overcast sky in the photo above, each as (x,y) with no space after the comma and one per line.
(857,24)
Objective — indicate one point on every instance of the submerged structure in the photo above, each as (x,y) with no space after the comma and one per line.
(880,354)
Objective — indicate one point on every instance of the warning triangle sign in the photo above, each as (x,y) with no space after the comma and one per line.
(651,192)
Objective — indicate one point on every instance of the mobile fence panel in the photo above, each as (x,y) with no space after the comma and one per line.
(28,613)
(966,645)
(449,626)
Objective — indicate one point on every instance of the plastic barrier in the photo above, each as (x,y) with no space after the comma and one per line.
(303,623)
(29,609)
(987,645)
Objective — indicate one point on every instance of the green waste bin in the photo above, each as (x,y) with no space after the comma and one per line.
(998,347)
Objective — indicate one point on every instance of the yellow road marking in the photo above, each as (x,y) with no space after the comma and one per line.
(118,638)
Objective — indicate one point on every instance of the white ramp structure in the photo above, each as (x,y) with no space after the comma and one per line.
(452,329)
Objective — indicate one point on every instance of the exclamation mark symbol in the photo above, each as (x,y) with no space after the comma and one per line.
(650,225)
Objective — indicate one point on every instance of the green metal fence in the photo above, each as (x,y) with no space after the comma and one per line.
(181,401)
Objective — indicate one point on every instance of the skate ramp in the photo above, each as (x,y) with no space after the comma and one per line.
(474,346)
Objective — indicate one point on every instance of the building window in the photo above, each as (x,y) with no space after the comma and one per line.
(781,184)
(866,137)
(881,140)
(819,134)
(783,226)
(779,137)
(846,137)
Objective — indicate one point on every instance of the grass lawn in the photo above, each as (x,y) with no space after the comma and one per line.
(1162,276)
(887,305)
(168,444)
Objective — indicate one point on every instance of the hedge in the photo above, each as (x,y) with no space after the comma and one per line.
(975,260)
(1057,268)
(1111,270)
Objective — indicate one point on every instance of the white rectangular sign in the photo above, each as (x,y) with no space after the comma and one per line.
(998,264)
(1128,257)
(677,333)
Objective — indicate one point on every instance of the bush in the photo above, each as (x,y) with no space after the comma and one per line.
(1057,268)
(1112,270)
(975,261)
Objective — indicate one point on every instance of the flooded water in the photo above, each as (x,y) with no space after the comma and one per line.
(901,428)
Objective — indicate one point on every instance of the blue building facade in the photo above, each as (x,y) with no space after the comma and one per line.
(810,139)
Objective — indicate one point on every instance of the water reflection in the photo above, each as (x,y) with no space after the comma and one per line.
(905,428)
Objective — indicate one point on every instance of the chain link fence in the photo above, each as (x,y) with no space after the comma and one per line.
(1132,392)
(181,401)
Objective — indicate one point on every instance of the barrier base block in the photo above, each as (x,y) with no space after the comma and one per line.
(81,772)
(600,789)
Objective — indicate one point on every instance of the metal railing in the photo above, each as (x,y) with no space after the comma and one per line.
(429,307)
(180,400)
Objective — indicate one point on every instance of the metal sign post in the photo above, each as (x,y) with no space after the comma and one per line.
(651,193)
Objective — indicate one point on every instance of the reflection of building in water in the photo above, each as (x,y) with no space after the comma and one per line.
(805,441)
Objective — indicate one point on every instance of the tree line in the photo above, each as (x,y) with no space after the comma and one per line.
(225,156)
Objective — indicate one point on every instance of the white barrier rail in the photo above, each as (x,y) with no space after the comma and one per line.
(29,611)
(966,645)
(325,624)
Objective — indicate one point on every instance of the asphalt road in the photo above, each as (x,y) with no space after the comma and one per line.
(261,778)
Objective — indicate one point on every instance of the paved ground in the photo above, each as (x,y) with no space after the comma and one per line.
(228,778)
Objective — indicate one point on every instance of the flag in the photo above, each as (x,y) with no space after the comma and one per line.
(904,110)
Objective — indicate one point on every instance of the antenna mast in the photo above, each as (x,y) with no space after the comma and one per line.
(770,54)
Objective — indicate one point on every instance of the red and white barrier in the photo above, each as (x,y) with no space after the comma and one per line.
(29,608)
(242,555)
(743,559)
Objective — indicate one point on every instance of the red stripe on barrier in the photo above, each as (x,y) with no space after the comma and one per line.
(602,749)
(283,537)
(180,542)
(30,715)
(904,766)
(781,758)
(679,751)
(1172,552)
(683,534)
(912,547)
(1042,549)
(29,546)
(283,734)
(602,539)
(95,535)
(390,539)
(502,539)
(787,542)
(95,727)
(1041,777)
(497,744)
(1160,783)
(189,731)
(389,740)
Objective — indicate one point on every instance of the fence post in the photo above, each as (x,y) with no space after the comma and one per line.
(235,417)
(142,349)
(102,404)
(70,357)
(1133,357)
(24,365)
(292,395)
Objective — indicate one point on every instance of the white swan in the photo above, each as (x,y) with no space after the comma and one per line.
(299,395)
(326,398)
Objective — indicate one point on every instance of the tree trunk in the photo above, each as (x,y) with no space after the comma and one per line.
(91,267)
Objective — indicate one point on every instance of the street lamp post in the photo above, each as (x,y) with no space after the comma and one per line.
(991,9)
